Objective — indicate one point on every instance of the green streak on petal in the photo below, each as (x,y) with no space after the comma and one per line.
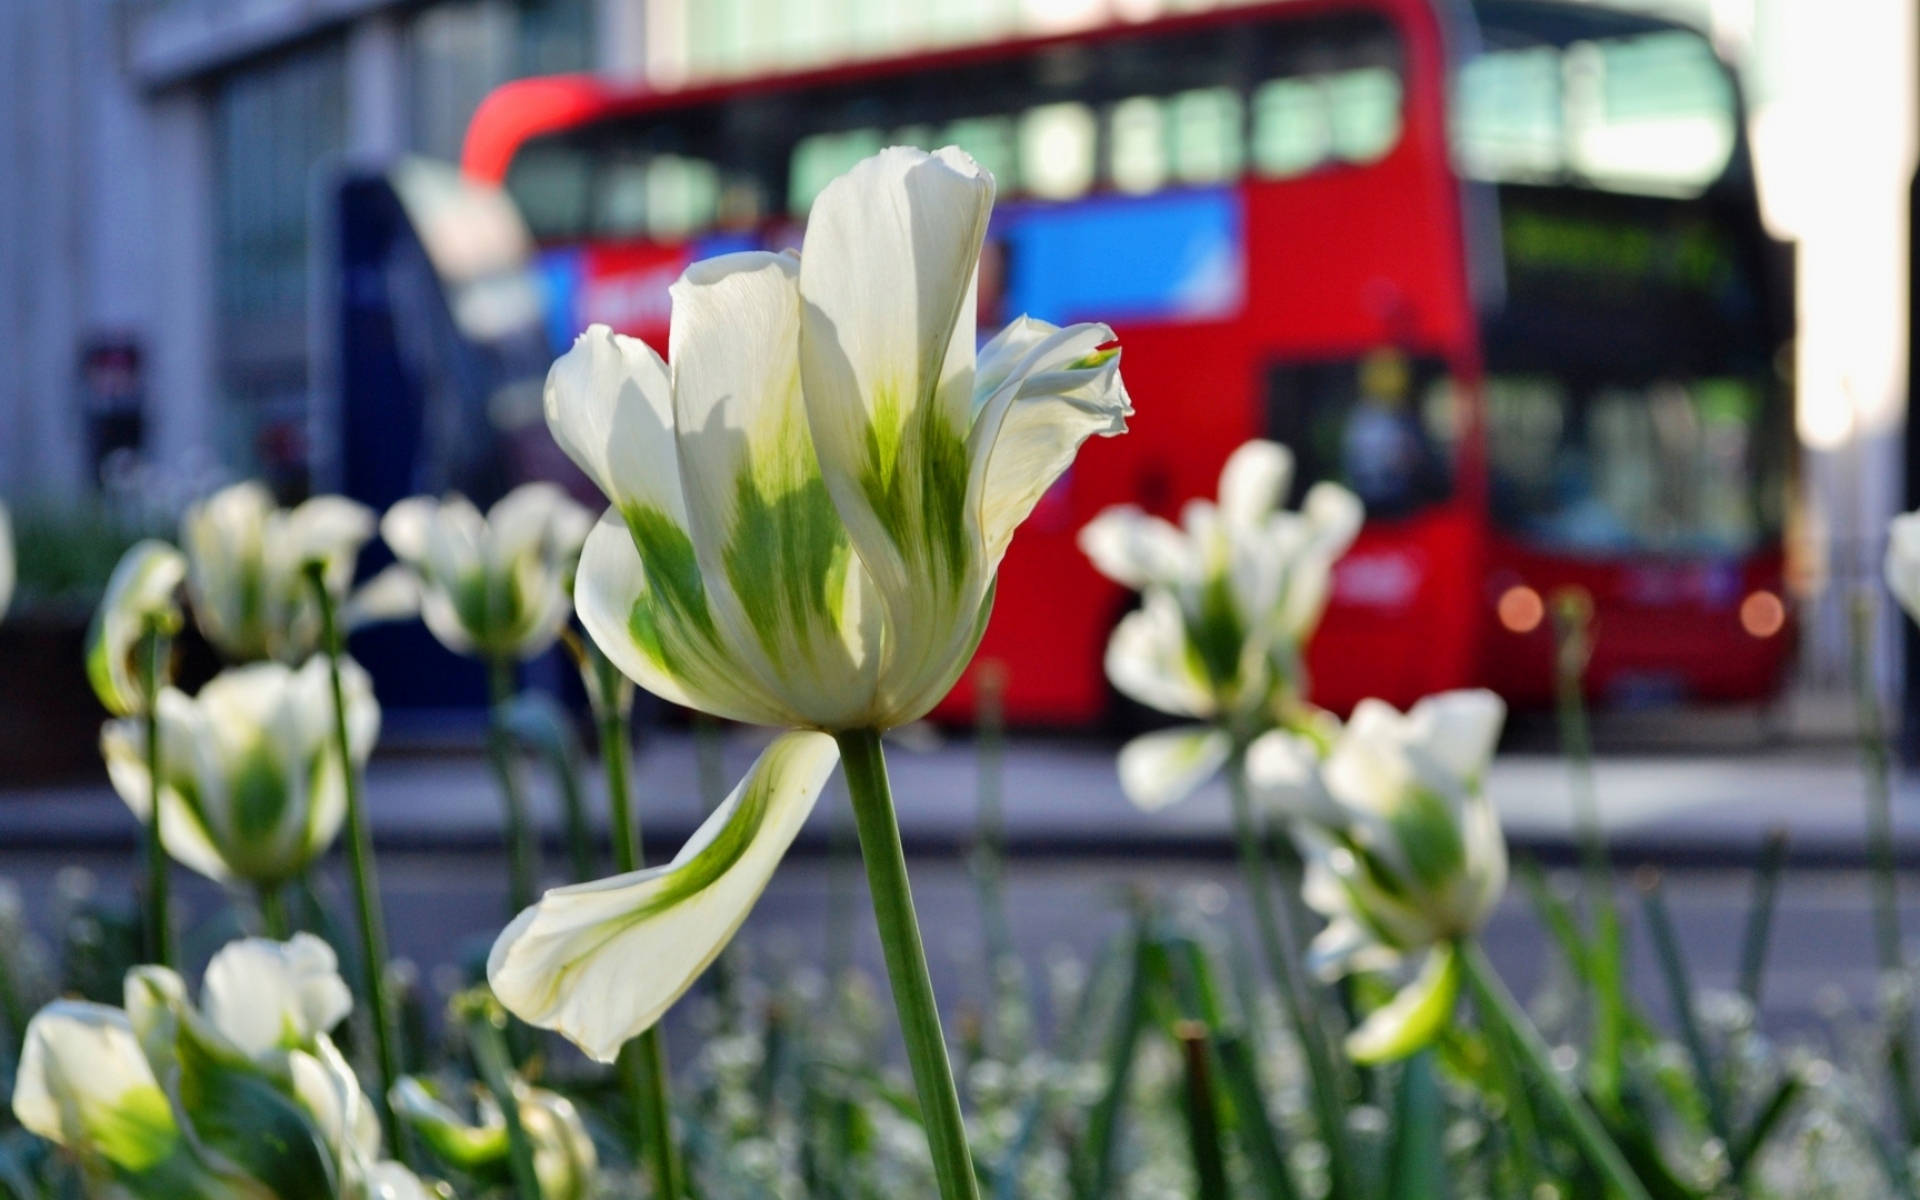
(257,791)
(1415,1015)
(1096,358)
(134,1132)
(1429,837)
(1217,636)
(673,573)
(787,554)
(701,871)
(915,480)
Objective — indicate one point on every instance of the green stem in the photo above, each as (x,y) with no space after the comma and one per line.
(1323,1083)
(273,912)
(521,866)
(366,887)
(643,1061)
(1886,897)
(159,889)
(1497,1004)
(486,1034)
(913,999)
(1203,1116)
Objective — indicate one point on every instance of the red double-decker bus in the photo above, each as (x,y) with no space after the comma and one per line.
(1499,268)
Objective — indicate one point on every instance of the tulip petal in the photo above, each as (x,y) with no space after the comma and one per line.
(264,995)
(123,744)
(601,962)
(609,403)
(392,595)
(84,1083)
(1137,550)
(1149,659)
(780,572)
(1455,733)
(886,355)
(1064,390)
(1283,770)
(139,593)
(7,567)
(1158,769)
(1254,482)
(1414,1017)
(655,625)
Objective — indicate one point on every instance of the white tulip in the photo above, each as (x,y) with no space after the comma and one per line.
(247,561)
(253,786)
(601,962)
(264,995)
(140,600)
(1231,596)
(492,586)
(811,504)
(1404,851)
(564,1160)
(84,1083)
(1903,561)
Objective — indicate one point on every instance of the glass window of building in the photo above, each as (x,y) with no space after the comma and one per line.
(1057,148)
(463,49)
(273,122)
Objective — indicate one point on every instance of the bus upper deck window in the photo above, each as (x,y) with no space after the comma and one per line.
(1648,114)
(1207,134)
(820,159)
(1137,145)
(682,194)
(1652,114)
(1507,120)
(990,141)
(1364,112)
(620,202)
(552,185)
(1290,127)
(1057,150)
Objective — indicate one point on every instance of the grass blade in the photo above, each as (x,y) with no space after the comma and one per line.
(1259,1141)
(1759,928)
(1203,1116)
(1097,1155)
(1417,1168)
(1673,969)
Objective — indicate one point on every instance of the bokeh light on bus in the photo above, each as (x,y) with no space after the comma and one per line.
(1521,610)
(1762,614)
(1056,150)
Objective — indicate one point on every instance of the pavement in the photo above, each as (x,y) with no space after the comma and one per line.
(1063,799)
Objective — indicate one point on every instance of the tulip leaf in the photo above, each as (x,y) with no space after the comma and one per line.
(1414,1017)
(240,1114)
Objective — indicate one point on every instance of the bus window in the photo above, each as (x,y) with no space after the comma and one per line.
(1364,108)
(1290,127)
(1208,135)
(819,159)
(620,204)
(682,196)
(1137,145)
(552,184)
(989,141)
(1305,122)
(1649,114)
(1057,143)
(1384,425)
(1664,467)
(1652,114)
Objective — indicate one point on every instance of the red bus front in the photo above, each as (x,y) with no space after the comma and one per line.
(1264,204)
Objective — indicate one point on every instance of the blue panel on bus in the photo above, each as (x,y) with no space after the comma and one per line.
(1175,256)
(560,275)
